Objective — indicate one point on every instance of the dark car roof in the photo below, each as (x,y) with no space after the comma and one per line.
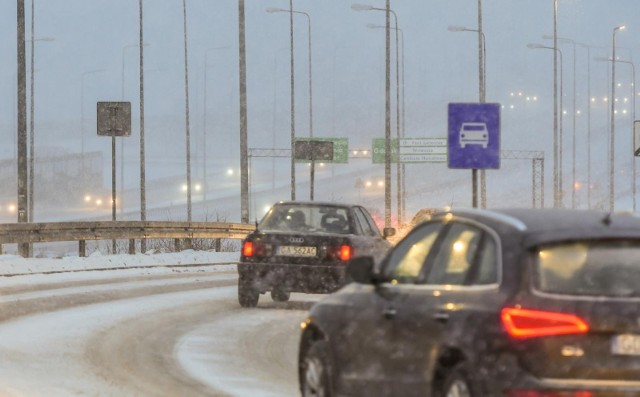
(539,226)
(316,203)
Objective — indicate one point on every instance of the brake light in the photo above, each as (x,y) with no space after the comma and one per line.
(345,253)
(548,393)
(247,249)
(523,323)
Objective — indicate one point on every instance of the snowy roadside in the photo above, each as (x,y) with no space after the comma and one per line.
(12,265)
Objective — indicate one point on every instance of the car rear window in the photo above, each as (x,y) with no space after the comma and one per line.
(608,268)
(308,219)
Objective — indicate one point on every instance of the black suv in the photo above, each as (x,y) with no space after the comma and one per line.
(304,247)
(508,303)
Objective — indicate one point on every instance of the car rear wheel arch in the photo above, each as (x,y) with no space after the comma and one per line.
(449,359)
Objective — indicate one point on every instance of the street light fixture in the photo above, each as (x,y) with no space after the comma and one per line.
(557,141)
(363,7)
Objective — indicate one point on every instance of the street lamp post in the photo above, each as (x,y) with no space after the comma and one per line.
(186,93)
(399,187)
(21,79)
(482,96)
(32,146)
(313,165)
(633,117)
(122,147)
(588,123)
(204,140)
(557,144)
(573,155)
(402,188)
(387,155)
(613,111)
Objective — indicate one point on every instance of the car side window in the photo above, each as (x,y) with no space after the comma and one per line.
(371,222)
(364,225)
(407,259)
(467,255)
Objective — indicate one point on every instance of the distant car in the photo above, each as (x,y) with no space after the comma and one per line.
(474,134)
(478,303)
(304,247)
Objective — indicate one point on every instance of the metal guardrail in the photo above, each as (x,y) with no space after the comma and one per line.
(16,233)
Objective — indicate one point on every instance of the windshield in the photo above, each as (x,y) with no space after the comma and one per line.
(311,218)
(594,268)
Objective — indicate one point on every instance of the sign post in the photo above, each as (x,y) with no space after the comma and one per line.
(114,119)
(314,149)
(474,138)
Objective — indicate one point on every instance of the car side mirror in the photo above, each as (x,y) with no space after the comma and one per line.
(388,232)
(360,270)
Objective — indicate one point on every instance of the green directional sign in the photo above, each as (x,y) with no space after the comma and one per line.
(340,149)
(378,150)
(412,150)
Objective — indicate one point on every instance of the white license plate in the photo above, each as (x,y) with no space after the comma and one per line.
(293,250)
(626,344)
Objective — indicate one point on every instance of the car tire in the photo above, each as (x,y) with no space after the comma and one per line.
(458,383)
(316,373)
(280,295)
(248,296)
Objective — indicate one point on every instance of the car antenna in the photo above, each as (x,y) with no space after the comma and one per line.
(607,219)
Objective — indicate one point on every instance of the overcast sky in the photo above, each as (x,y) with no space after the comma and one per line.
(348,71)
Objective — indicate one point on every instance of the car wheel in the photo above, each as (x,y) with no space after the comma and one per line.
(457,384)
(248,296)
(279,295)
(316,373)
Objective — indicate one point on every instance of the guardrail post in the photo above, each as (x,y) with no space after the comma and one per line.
(176,245)
(132,246)
(82,248)
(1,250)
(218,244)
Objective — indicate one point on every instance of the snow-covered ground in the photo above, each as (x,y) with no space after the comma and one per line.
(12,265)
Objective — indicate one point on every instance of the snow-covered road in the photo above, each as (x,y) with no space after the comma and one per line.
(145,332)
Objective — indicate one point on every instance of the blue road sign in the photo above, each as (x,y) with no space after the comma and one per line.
(474,135)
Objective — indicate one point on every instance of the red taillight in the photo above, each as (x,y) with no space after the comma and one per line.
(345,253)
(247,249)
(548,393)
(523,323)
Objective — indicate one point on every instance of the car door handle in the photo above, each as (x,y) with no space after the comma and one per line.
(389,312)
(442,317)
